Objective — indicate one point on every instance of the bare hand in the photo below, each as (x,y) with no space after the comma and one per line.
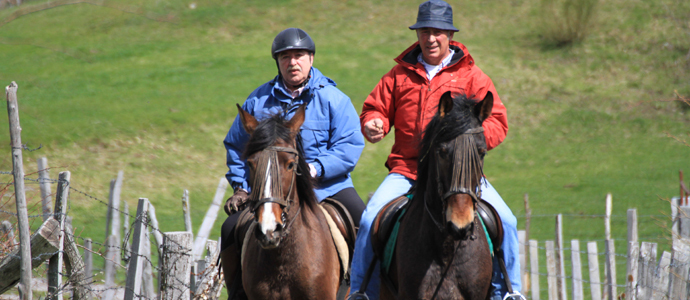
(374,130)
(236,202)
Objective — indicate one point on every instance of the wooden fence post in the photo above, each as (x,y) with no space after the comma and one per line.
(607,236)
(88,264)
(74,264)
(560,260)
(578,293)
(19,193)
(136,260)
(675,218)
(44,183)
(125,226)
(176,260)
(210,281)
(633,252)
(109,216)
(522,242)
(111,260)
(186,212)
(55,264)
(611,289)
(115,227)
(528,216)
(661,280)
(593,263)
(209,219)
(534,268)
(678,287)
(7,231)
(632,268)
(147,289)
(647,268)
(154,228)
(551,270)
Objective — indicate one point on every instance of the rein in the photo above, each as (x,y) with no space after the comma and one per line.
(466,165)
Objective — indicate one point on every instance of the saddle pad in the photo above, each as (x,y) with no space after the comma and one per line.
(338,240)
(390,244)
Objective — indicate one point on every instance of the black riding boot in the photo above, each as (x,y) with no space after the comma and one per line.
(232,270)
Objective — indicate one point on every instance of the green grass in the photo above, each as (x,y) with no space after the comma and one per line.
(150,89)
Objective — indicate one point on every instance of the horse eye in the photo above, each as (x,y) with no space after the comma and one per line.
(291,165)
(443,151)
(482,151)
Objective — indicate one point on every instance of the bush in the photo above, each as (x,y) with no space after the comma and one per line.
(566,21)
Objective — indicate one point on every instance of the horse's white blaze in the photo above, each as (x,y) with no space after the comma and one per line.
(268,219)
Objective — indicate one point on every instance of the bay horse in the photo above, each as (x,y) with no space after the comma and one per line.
(442,250)
(287,251)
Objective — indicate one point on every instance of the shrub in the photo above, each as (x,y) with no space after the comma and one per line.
(566,21)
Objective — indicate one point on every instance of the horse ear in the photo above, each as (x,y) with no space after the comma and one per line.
(483,109)
(248,121)
(296,122)
(445,104)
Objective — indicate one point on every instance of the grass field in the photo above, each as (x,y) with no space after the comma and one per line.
(151,88)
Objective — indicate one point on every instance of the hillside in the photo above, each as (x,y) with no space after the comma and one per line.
(151,89)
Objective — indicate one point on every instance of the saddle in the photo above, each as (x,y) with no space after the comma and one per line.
(492,221)
(385,220)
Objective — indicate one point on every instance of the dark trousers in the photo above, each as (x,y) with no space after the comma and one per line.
(348,197)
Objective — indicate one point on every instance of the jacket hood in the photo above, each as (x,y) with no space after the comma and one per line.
(461,57)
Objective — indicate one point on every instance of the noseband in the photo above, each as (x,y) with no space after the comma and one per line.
(268,161)
(462,173)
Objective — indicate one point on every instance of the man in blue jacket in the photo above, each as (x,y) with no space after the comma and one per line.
(331,134)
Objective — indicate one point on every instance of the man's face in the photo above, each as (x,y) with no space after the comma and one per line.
(294,66)
(434,43)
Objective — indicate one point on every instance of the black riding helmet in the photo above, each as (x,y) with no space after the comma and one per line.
(292,38)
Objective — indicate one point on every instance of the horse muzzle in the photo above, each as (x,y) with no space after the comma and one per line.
(270,239)
(269,233)
(459,215)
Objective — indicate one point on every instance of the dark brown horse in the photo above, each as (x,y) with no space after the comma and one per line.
(442,251)
(287,252)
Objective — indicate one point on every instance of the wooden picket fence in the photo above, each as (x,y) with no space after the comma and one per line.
(645,276)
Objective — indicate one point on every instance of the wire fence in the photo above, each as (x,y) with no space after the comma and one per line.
(96,286)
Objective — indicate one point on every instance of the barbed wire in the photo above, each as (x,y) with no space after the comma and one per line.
(126,253)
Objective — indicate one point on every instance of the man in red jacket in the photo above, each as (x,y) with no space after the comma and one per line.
(407,98)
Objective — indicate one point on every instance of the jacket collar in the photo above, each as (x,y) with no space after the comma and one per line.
(316,81)
(461,57)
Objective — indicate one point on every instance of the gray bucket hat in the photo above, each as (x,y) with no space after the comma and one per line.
(435,14)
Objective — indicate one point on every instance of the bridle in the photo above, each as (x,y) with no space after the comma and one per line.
(462,173)
(268,162)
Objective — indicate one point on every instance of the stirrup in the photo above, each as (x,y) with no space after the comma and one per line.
(514,296)
(357,296)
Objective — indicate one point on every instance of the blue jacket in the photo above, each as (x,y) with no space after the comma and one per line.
(331,132)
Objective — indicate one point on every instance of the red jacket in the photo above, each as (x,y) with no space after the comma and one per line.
(405,98)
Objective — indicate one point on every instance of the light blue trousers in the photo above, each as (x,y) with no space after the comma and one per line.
(395,185)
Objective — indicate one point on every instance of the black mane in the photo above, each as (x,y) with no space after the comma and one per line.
(438,131)
(267,133)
